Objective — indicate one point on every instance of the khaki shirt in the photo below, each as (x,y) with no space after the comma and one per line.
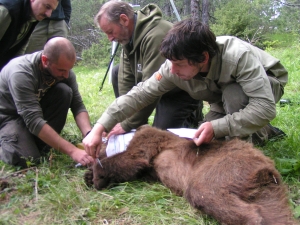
(238,62)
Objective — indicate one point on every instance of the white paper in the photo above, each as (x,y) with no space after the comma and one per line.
(184,132)
(118,143)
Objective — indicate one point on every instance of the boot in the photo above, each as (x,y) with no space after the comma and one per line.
(267,133)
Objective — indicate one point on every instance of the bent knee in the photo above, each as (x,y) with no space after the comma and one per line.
(63,92)
(14,153)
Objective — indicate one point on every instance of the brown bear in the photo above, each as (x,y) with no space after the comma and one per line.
(231,180)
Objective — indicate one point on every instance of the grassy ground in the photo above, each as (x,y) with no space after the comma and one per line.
(54,192)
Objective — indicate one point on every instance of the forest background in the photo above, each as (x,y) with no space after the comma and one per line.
(250,20)
(55,193)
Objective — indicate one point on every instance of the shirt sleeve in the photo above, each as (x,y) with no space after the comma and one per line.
(261,109)
(21,87)
(5,20)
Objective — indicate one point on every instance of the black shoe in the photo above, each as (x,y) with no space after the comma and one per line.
(267,133)
(45,150)
(275,133)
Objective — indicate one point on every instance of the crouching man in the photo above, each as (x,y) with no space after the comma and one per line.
(36,92)
(241,83)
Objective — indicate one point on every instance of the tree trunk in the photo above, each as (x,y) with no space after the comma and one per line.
(187,9)
(195,11)
(167,10)
(205,11)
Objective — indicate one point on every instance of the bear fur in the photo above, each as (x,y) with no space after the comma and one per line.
(232,181)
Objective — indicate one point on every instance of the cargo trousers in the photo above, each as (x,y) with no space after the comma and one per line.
(45,30)
(18,144)
(234,99)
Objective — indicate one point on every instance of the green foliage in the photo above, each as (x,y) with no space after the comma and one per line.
(269,45)
(96,55)
(289,18)
(99,54)
(282,40)
(82,14)
(83,32)
(288,166)
(248,20)
(231,21)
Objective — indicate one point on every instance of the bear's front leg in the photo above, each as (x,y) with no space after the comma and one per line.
(88,177)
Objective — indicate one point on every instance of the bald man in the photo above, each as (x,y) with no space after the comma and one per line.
(36,92)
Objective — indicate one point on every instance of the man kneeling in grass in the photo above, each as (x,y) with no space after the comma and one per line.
(36,92)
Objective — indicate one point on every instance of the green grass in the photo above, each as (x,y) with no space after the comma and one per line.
(55,193)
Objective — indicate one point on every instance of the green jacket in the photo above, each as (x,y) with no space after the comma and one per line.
(237,62)
(141,58)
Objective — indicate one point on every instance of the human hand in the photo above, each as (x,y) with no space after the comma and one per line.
(204,134)
(82,157)
(116,130)
(92,142)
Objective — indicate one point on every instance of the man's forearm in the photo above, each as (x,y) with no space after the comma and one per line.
(83,123)
(50,137)
(139,118)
